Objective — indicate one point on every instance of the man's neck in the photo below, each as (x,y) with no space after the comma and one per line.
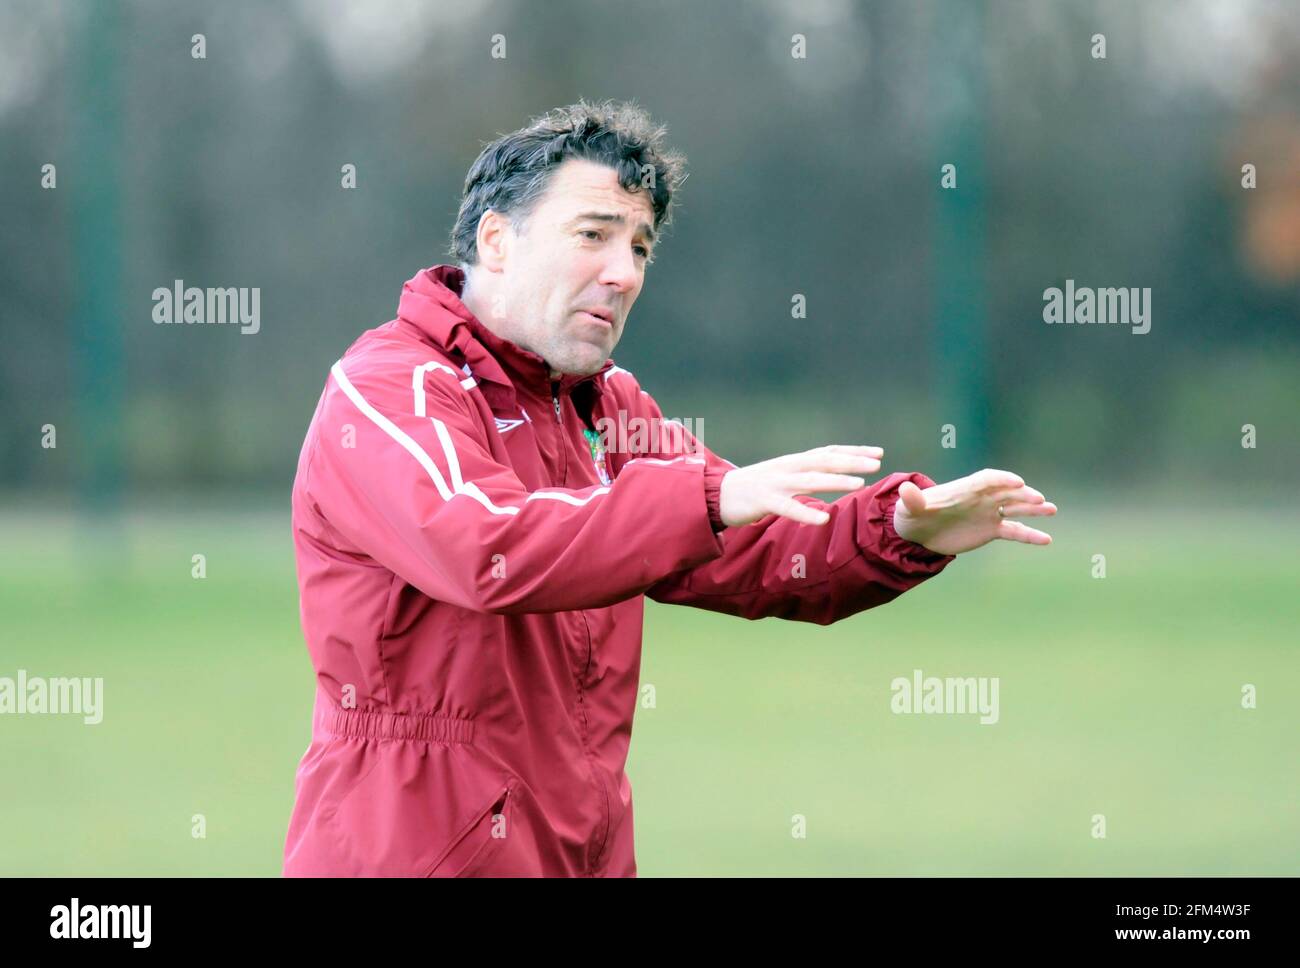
(478,305)
(481,308)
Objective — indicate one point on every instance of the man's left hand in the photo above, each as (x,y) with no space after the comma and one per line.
(963,515)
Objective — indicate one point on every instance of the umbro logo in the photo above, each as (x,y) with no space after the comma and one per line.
(503,425)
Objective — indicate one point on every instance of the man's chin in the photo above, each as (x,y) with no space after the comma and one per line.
(582,370)
(585,363)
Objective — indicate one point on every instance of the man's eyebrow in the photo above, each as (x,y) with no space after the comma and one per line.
(644,228)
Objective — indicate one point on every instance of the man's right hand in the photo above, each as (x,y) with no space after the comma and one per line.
(753,492)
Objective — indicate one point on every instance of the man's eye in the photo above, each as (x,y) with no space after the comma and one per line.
(592,234)
(642,251)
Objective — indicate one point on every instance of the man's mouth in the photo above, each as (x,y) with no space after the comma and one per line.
(598,314)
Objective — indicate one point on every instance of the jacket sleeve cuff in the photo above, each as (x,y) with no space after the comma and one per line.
(910,557)
(713,476)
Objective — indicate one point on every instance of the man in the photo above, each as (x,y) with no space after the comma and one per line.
(473,553)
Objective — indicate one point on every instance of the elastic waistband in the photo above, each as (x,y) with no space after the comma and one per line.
(421,727)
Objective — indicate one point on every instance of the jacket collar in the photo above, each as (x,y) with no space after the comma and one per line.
(431,303)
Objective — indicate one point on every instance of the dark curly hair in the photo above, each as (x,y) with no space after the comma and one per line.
(511,173)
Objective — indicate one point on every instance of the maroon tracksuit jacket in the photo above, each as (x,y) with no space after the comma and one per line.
(472,569)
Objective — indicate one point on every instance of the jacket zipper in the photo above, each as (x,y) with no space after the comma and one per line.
(592,763)
(563,445)
(595,768)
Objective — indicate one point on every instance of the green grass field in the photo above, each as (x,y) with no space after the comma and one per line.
(1118,696)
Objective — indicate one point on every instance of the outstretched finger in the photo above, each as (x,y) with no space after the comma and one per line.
(990,480)
(1015,531)
(830,461)
(811,481)
(1017,509)
(1021,495)
(797,511)
(863,450)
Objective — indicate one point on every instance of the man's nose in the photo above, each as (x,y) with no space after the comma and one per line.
(621,272)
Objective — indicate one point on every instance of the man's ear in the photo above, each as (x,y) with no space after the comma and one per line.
(493,240)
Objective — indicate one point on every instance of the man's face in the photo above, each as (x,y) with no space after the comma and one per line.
(570,276)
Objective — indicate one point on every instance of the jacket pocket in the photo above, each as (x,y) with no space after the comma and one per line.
(474,845)
(408,805)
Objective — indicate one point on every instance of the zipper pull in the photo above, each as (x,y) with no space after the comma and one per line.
(555,398)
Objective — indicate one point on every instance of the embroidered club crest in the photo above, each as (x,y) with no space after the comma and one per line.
(597,447)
